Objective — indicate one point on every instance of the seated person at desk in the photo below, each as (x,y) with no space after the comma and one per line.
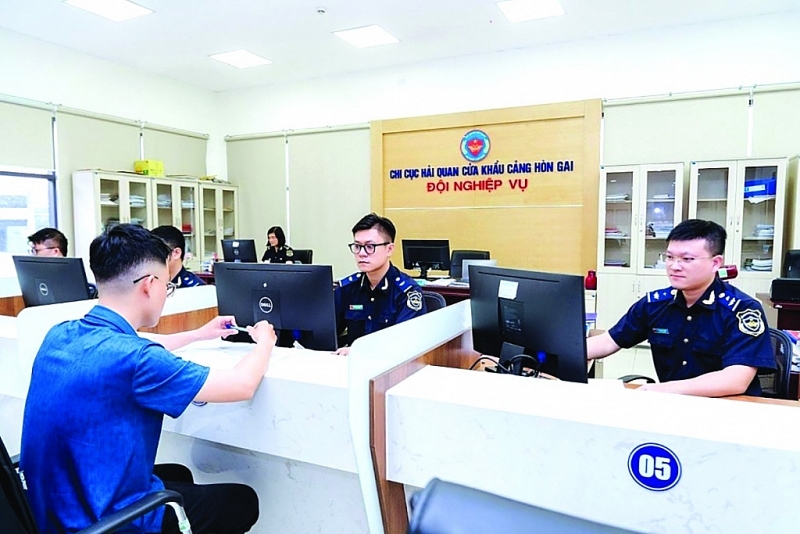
(48,242)
(51,243)
(277,249)
(177,242)
(707,337)
(380,295)
(99,392)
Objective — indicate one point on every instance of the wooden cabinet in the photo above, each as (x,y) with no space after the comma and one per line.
(219,218)
(748,198)
(101,199)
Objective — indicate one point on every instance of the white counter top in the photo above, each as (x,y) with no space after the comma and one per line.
(566,447)
(299,411)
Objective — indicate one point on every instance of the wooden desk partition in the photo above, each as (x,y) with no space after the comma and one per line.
(11,306)
(391,494)
(181,322)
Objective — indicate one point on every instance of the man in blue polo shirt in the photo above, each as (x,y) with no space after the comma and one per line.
(98,394)
(379,295)
(707,337)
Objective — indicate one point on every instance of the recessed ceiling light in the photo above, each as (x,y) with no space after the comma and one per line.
(522,10)
(366,36)
(241,58)
(116,10)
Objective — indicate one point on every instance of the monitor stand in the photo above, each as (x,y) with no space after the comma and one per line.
(423,271)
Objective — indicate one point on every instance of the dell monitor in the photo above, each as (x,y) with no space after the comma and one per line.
(51,280)
(530,318)
(239,250)
(791,264)
(425,254)
(296,299)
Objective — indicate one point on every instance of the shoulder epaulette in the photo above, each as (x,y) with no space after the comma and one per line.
(662,295)
(355,277)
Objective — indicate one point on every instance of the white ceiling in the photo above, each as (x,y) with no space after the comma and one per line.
(177,39)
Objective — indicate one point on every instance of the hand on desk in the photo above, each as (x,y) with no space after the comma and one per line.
(343,351)
(263,333)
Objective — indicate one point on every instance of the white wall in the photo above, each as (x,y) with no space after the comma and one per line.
(761,50)
(34,69)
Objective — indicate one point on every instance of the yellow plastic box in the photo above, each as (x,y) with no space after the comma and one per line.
(150,167)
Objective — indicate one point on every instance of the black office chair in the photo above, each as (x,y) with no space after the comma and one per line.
(433,301)
(457,256)
(16,516)
(303,255)
(447,508)
(775,384)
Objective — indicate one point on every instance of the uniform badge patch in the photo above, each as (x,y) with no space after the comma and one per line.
(414,300)
(289,253)
(751,322)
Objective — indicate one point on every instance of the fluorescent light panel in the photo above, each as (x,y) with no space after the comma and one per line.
(366,36)
(116,10)
(241,59)
(522,10)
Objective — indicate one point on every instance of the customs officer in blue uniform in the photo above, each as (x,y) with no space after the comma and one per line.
(179,275)
(379,295)
(707,337)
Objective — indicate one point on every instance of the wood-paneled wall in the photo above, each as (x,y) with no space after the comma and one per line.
(549,225)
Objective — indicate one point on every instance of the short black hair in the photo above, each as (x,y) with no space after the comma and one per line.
(172,236)
(690,229)
(53,235)
(373,220)
(122,249)
(278,231)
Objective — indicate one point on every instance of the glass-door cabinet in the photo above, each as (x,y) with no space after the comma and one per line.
(747,198)
(176,205)
(219,219)
(640,205)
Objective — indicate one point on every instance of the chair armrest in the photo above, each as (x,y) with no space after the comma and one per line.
(630,378)
(121,518)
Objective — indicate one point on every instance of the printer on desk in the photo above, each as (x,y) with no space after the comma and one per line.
(787,288)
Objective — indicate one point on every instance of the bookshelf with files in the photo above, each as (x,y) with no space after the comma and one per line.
(748,198)
(175,204)
(101,199)
(219,218)
(639,206)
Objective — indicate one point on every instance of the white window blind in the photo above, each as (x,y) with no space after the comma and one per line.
(26,138)
(181,154)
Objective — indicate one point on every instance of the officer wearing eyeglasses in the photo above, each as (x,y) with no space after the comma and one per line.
(52,243)
(707,337)
(379,295)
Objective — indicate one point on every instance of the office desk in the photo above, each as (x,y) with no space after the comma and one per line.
(451,294)
(208,278)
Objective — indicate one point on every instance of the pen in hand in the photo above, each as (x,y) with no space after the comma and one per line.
(237,328)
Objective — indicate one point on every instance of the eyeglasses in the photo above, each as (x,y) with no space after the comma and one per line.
(369,248)
(683,260)
(170,286)
(35,251)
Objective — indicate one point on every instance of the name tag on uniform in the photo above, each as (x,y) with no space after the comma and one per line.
(661,330)
(356,307)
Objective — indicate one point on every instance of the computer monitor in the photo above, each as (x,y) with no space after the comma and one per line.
(296,299)
(480,263)
(537,314)
(425,254)
(791,264)
(51,280)
(456,261)
(239,250)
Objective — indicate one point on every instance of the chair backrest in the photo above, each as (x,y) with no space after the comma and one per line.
(775,384)
(457,256)
(433,301)
(15,514)
(447,508)
(303,255)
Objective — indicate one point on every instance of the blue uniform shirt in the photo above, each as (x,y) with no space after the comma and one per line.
(187,279)
(724,327)
(92,422)
(363,310)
